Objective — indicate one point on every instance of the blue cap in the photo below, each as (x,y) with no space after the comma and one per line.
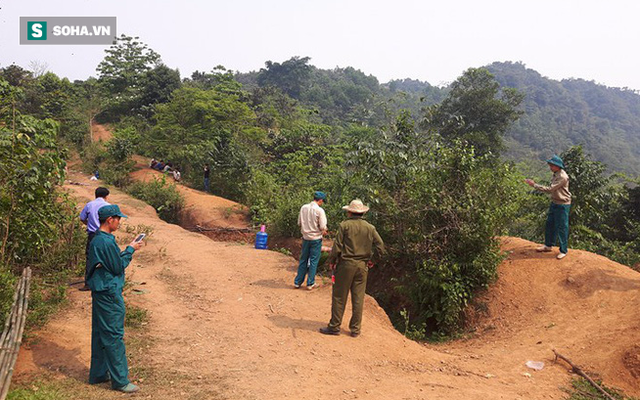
(320,196)
(557,161)
(109,211)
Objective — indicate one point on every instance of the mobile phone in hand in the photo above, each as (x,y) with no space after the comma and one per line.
(140,237)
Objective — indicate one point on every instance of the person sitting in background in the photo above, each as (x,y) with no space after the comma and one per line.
(153,163)
(160,166)
(176,175)
(167,168)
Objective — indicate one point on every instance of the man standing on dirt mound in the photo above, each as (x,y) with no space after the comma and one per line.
(558,216)
(313,224)
(106,280)
(351,258)
(89,217)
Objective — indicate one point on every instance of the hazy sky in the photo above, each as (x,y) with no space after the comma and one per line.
(433,41)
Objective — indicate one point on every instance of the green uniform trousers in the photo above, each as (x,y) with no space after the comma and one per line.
(351,276)
(557,226)
(108,354)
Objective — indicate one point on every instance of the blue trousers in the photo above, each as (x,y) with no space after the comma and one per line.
(206,184)
(557,226)
(108,354)
(309,259)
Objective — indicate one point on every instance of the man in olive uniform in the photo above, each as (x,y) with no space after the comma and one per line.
(351,258)
(106,280)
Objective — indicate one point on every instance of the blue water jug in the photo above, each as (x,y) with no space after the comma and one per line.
(261,238)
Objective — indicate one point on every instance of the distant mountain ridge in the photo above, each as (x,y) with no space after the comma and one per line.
(559,114)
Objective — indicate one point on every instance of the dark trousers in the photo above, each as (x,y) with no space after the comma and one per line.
(90,236)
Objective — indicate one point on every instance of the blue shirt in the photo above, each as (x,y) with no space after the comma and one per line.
(107,263)
(90,214)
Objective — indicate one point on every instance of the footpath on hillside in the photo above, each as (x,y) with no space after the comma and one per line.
(225,323)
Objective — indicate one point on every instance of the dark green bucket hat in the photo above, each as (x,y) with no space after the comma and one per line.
(110,211)
(557,161)
(320,196)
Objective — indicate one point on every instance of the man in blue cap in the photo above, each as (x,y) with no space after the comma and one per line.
(558,216)
(313,224)
(106,280)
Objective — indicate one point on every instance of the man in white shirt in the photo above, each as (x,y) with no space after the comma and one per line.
(313,224)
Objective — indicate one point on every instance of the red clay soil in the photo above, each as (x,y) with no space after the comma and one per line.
(202,209)
(225,323)
(100,133)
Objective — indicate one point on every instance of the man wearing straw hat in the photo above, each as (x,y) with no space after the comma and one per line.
(351,258)
(558,216)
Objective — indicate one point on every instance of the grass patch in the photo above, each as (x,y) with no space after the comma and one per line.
(39,391)
(136,317)
(581,389)
(45,299)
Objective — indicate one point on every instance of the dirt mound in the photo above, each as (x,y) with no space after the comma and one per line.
(226,324)
(227,219)
(585,306)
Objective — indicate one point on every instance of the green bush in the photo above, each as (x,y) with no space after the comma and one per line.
(40,227)
(7,288)
(439,209)
(162,196)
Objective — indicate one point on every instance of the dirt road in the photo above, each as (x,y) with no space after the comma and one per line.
(225,323)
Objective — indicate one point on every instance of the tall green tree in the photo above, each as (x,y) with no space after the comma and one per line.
(158,85)
(476,111)
(123,71)
(291,76)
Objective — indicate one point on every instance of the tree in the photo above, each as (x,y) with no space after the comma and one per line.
(123,71)
(476,111)
(290,76)
(219,78)
(205,126)
(589,188)
(439,209)
(158,85)
(125,64)
(55,95)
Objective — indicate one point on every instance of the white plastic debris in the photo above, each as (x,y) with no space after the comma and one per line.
(535,365)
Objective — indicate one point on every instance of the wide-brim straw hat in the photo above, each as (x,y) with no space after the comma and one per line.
(356,207)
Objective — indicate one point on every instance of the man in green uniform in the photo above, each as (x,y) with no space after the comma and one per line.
(351,258)
(558,216)
(106,280)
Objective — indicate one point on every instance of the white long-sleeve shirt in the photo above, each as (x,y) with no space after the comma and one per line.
(312,221)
